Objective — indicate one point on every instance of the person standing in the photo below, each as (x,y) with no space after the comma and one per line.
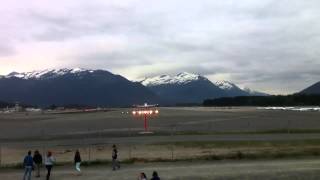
(77,161)
(115,162)
(142,176)
(49,163)
(155,176)
(28,166)
(37,159)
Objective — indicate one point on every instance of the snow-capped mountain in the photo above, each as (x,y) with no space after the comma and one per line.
(73,86)
(188,87)
(185,78)
(100,87)
(224,84)
(254,93)
(181,78)
(47,73)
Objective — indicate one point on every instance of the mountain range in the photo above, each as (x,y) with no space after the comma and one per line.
(313,89)
(190,88)
(102,88)
(73,86)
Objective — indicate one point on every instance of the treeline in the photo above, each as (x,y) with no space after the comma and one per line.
(290,100)
(6,104)
(69,106)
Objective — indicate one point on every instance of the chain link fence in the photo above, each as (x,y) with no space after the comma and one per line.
(13,153)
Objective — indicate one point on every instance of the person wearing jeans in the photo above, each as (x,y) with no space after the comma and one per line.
(77,161)
(28,166)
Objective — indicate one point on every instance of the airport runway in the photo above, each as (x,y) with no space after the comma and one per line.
(118,126)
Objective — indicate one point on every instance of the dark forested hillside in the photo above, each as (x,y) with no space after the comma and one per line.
(290,100)
(5,104)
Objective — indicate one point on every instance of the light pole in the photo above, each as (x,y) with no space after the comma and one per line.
(145,111)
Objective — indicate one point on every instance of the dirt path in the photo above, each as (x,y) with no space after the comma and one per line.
(262,169)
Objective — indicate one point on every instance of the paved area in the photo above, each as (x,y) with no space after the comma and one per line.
(259,169)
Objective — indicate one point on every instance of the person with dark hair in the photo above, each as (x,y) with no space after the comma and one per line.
(142,176)
(77,161)
(155,176)
(115,162)
(49,163)
(37,159)
(28,166)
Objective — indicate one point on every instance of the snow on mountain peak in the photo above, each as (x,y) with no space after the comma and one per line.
(15,74)
(46,73)
(224,84)
(181,78)
(187,76)
(77,70)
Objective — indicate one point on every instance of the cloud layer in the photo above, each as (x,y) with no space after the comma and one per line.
(269,45)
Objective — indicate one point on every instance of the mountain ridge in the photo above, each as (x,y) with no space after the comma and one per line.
(47,73)
(313,89)
(73,86)
(187,87)
(101,87)
(186,77)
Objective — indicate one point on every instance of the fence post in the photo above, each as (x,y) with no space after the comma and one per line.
(248,130)
(89,154)
(43,153)
(44,145)
(89,145)
(130,155)
(172,146)
(288,128)
(0,155)
(213,127)
(172,153)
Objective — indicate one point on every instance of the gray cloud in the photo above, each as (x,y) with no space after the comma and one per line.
(6,50)
(266,45)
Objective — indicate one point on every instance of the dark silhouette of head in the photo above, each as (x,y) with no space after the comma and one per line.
(154,174)
(143,175)
(29,153)
(49,154)
(77,153)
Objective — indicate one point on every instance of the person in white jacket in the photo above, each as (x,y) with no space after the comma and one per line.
(142,176)
(49,161)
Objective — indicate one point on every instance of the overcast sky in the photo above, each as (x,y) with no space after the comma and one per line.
(267,45)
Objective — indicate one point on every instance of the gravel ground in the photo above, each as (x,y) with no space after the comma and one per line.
(260,169)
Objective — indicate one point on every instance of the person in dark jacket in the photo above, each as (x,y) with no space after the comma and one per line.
(77,161)
(155,176)
(28,166)
(37,159)
(115,162)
